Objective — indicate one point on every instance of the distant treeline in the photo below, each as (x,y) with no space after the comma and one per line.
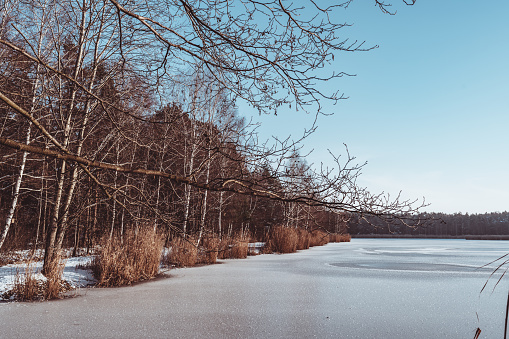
(437,224)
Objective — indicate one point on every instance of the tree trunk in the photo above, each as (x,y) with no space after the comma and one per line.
(204,206)
(220,218)
(14,203)
(57,228)
(51,251)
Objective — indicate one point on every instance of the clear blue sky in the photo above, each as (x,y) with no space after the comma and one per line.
(428,110)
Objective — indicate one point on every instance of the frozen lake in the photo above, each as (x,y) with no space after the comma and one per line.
(369,288)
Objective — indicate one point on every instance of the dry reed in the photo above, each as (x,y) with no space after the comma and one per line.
(283,239)
(303,239)
(318,238)
(235,247)
(209,251)
(183,253)
(26,287)
(55,285)
(135,258)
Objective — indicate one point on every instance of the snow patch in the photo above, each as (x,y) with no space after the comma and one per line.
(74,273)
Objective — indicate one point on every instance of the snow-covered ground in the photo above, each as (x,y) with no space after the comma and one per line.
(256,247)
(74,274)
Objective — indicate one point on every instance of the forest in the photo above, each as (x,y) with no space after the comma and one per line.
(439,225)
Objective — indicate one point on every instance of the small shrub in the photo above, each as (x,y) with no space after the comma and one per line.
(122,263)
(345,237)
(224,248)
(239,249)
(267,249)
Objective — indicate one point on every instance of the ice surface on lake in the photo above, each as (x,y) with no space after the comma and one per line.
(383,288)
(442,258)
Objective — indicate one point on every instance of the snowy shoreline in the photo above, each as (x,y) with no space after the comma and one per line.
(74,274)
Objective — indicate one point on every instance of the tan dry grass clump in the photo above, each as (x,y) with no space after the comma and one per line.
(303,239)
(209,251)
(55,285)
(336,237)
(183,252)
(318,238)
(239,249)
(234,247)
(283,239)
(333,237)
(288,240)
(26,286)
(136,258)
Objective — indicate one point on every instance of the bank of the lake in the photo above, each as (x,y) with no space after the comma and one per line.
(369,288)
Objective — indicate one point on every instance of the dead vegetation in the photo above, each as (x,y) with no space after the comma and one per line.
(234,247)
(55,285)
(283,240)
(185,253)
(28,287)
(124,260)
(209,252)
(138,254)
(182,253)
(290,239)
(339,237)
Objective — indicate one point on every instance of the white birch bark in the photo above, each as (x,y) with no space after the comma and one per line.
(17,187)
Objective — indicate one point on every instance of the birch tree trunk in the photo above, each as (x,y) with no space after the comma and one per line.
(56,231)
(14,203)
(190,169)
(204,206)
(19,180)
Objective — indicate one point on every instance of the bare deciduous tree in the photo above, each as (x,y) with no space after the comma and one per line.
(103,71)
